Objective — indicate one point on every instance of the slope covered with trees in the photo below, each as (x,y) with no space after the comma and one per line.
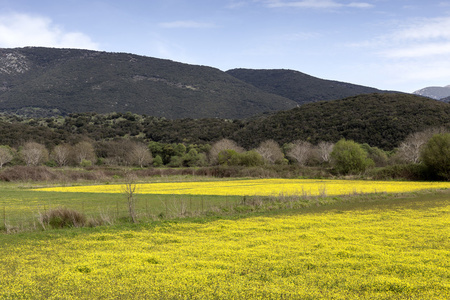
(381,120)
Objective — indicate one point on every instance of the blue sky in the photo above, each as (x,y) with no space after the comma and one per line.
(399,45)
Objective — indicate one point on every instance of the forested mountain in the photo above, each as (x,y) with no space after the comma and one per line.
(381,120)
(300,87)
(46,81)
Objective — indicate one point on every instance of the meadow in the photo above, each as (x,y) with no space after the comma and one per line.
(188,196)
(272,244)
(393,248)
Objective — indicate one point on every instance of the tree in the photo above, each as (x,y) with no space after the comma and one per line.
(324,151)
(349,157)
(436,155)
(6,155)
(61,154)
(378,156)
(157,161)
(300,151)
(84,151)
(140,155)
(270,151)
(34,154)
(224,144)
(409,150)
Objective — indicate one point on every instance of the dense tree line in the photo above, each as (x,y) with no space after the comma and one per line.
(380,120)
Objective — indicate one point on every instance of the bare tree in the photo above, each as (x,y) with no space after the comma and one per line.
(409,150)
(84,151)
(140,155)
(129,190)
(324,151)
(270,151)
(61,154)
(300,151)
(223,144)
(6,155)
(34,154)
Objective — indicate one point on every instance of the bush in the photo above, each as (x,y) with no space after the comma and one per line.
(63,217)
(350,158)
(436,156)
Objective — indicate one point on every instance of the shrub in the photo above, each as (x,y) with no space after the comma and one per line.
(350,158)
(63,217)
(436,156)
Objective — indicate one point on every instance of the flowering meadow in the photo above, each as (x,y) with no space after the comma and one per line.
(395,250)
(264,187)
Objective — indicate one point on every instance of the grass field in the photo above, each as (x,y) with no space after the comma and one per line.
(389,248)
(186,196)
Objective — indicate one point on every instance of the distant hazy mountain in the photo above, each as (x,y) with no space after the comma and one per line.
(435,92)
(69,80)
(300,87)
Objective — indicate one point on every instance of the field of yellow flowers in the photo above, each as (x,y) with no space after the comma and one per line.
(395,250)
(264,187)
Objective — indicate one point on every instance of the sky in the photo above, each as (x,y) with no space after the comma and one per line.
(401,45)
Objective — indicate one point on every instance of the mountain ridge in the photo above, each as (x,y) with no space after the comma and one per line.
(435,92)
(53,81)
(300,87)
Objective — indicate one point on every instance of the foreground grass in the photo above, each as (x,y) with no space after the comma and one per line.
(393,248)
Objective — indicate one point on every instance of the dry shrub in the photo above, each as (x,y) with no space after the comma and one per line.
(26,173)
(62,217)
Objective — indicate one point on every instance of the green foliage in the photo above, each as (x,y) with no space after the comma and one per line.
(350,158)
(298,86)
(436,155)
(379,157)
(246,159)
(380,120)
(86,163)
(157,161)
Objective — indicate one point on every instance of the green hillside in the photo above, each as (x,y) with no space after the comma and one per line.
(62,81)
(300,87)
(382,120)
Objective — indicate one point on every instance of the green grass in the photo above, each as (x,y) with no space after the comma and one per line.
(360,247)
(20,205)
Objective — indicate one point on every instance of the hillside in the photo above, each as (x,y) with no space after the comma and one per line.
(382,120)
(300,87)
(43,81)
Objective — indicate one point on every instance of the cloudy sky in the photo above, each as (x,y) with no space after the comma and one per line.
(399,45)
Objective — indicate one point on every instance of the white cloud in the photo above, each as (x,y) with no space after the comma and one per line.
(416,51)
(185,24)
(319,4)
(424,29)
(20,30)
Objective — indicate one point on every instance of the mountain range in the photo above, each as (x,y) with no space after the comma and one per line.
(51,81)
(435,92)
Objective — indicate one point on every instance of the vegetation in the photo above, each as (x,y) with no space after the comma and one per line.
(62,81)
(300,87)
(313,253)
(350,158)
(436,155)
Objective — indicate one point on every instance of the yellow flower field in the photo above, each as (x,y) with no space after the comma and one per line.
(400,251)
(264,187)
